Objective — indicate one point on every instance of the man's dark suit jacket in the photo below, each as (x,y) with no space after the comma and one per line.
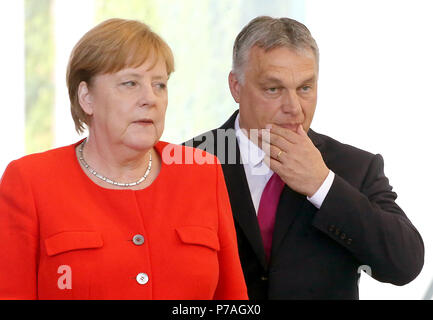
(316,254)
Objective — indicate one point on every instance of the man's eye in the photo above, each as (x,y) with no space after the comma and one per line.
(272,90)
(305,88)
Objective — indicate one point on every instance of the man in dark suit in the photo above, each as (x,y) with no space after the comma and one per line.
(310,212)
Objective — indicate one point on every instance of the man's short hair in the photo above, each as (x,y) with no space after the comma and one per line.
(268,33)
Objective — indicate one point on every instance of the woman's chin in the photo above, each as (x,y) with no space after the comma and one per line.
(142,143)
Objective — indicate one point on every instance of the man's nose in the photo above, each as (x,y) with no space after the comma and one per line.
(290,102)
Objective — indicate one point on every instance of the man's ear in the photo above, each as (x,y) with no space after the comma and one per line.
(85,98)
(235,86)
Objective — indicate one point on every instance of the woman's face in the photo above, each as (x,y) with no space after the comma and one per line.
(128,107)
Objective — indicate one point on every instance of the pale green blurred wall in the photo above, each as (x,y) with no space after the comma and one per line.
(201,35)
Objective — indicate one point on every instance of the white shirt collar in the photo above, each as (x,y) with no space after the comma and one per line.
(256,170)
(252,155)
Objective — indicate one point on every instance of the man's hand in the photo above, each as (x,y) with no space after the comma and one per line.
(293,156)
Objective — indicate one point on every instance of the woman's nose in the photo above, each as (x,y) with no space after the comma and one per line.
(147,96)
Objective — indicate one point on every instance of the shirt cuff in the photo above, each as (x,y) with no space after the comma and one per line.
(320,195)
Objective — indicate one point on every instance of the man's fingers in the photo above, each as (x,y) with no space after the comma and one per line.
(276,140)
(273,164)
(287,134)
(300,130)
(272,151)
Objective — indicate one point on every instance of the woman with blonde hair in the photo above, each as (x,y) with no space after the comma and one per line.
(106,217)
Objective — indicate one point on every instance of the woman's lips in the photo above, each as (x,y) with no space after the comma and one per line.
(144,122)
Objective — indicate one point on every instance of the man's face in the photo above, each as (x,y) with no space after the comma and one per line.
(279,87)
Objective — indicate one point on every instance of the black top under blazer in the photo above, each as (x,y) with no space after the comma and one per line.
(317,254)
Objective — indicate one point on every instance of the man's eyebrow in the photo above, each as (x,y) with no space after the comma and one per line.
(276,80)
(310,79)
(271,79)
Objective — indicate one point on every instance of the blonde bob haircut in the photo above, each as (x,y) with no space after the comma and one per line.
(109,47)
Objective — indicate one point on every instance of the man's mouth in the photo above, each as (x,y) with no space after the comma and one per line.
(290,126)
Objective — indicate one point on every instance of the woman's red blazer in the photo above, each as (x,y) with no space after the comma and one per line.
(64,237)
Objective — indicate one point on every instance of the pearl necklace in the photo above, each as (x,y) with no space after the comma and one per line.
(100,176)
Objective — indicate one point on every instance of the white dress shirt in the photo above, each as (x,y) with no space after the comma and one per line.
(258,173)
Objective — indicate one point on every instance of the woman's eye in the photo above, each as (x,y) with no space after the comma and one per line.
(129,83)
(161,86)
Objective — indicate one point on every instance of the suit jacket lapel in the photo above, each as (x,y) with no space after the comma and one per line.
(289,208)
(317,141)
(240,198)
(291,205)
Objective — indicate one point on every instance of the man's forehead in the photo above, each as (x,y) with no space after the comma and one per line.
(280,77)
(278,63)
(282,55)
(302,51)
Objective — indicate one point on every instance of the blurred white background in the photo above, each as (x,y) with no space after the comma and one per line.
(374,89)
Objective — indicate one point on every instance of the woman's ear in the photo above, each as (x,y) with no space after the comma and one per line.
(85,98)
